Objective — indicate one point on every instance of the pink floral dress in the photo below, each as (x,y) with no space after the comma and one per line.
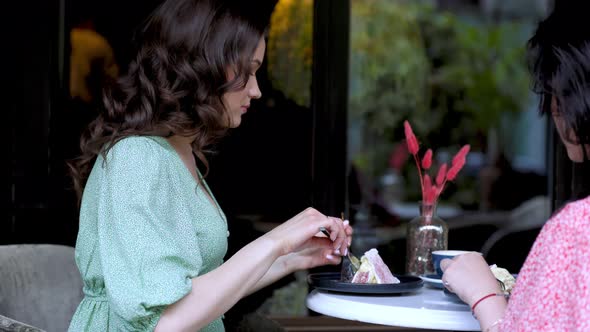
(552,292)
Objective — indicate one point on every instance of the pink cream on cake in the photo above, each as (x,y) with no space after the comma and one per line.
(373,270)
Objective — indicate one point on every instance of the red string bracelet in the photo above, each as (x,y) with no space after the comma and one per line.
(483,298)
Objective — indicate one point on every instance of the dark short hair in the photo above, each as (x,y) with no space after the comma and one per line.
(559,60)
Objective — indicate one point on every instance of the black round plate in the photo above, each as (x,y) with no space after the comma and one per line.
(330,281)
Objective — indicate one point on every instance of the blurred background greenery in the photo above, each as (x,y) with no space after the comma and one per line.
(290,47)
(455,75)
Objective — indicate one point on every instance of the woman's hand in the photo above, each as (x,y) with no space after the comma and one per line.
(302,233)
(469,276)
(310,257)
(318,251)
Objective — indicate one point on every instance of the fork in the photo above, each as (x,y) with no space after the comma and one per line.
(350,264)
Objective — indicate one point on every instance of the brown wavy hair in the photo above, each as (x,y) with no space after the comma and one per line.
(176,82)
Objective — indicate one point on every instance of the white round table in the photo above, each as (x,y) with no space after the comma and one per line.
(427,308)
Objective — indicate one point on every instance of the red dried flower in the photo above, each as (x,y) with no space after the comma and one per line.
(458,162)
(431,195)
(413,146)
(462,154)
(440,176)
(427,159)
(427,183)
(431,190)
(452,173)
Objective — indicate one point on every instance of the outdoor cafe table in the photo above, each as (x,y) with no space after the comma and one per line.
(427,308)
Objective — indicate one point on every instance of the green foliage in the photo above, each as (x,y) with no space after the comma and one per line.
(290,52)
(389,68)
(481,76)
(411,61)
(452,76)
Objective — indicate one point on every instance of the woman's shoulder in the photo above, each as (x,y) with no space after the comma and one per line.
(574,215)
(144,147)
(133,150)
(135,143)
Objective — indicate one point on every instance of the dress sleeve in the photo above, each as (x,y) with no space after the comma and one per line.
(144,268)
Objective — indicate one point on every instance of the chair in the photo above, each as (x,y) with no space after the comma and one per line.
(509,246)
(11,325)
(530,215)
(39,285)
(511,251)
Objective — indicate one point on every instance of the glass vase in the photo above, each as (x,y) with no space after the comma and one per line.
(425,234)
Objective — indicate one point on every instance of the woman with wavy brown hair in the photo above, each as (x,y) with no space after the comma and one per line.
(152,238)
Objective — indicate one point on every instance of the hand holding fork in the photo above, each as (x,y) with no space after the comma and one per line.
(350,263)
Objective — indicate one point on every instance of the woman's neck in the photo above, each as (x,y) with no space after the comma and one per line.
(182,144)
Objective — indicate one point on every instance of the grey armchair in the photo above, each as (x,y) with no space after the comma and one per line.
(39,285)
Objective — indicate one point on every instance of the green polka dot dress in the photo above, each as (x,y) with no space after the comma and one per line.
(146,229)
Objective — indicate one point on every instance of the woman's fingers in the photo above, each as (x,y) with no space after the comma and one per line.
(311,257)
(444,264)
(347,234)
(347,227)
(341,239)
(295,233)
(329,258)
(337,233)
(348,230)
(318,242)
(468,276)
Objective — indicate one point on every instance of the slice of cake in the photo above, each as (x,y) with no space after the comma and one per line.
(504,277)
(373,270)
